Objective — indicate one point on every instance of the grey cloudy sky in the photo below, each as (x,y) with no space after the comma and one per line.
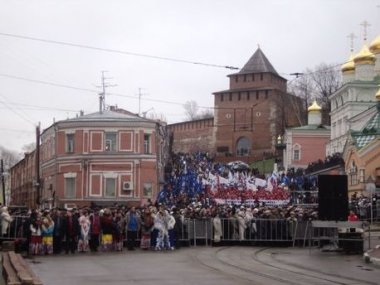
(294,34)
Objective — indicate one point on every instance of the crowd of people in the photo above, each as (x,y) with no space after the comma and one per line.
(195,188)
(82,230)
(152,226)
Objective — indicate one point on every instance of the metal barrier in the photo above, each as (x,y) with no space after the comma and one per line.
(233,231)
(15,229)
(257,230)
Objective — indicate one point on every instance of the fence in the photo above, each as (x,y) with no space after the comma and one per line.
(233,231)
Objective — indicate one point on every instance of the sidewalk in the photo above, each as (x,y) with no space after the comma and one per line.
(373,255)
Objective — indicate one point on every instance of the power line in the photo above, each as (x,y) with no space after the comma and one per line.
(16,112)
(48,83)
(116,51)
(86,89)
(36,107)
(18,131)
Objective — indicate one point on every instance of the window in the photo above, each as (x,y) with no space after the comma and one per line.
(239,96)
(296,155)
(243,147)
(70,187)
(377,181)
(245,78)
(266,94)
(111,142)
(362,175)
(110,187)
(230,97)
(248,95)
(354,179)
(148,190)
(147,143)
(236,79)
(261,76)
(69,142)
(253,77)
(296,152)
(221,98)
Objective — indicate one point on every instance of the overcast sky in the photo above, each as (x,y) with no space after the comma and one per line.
(294,35)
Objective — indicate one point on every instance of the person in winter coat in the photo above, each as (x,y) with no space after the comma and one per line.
(132,227)
(35,242)
(71,231)
(47,228)
(84,232)
(6,220)
(147,222)
(107,226)
(160,225)
(95,231)
(217,224)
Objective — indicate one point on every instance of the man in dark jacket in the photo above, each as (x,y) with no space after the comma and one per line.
(71,231)
(58,232)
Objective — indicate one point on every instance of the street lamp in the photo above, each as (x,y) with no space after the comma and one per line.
(370,188)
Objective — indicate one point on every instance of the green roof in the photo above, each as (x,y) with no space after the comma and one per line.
(370,131)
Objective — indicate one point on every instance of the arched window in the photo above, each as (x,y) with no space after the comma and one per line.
(296,152)
(243,147)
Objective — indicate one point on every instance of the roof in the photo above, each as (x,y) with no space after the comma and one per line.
(258,63)
(370,131)
(108,115)
(312,127)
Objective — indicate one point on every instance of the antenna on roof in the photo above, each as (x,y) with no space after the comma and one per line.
(102,94)
(297,74)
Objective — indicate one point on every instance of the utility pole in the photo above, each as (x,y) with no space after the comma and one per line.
(3,181)
(102,94)
(37,184)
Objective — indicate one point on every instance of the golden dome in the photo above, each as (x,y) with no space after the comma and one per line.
(364,56)
(375,45)
(314,107)
(349,66)
(378,95)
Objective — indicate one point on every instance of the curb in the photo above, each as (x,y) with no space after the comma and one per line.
(371,259)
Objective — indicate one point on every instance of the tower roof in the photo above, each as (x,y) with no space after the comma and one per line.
(364,56)
(375,45)
(258,63)
(314,107)
(370,132)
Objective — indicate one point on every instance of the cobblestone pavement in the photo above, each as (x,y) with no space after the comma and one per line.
(206,265)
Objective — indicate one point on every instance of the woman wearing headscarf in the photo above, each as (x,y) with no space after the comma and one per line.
(84,232)
(47,229)
(147,222)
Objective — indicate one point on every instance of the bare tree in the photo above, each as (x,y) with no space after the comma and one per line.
(29,147)
(206,114)
(9,157)
(303,88)
(191,110)
(327,79)
(318,83)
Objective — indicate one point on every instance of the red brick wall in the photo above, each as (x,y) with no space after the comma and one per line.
(193,136)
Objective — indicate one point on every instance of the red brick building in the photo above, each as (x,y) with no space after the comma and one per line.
(248,116)
(23,181)
(102,158)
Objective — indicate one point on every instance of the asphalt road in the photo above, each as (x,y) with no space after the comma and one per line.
(206,265)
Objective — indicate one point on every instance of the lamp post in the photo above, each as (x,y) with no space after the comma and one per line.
(2,173)
(370,188)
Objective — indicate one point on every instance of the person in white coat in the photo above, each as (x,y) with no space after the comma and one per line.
(6,220)
(217,224)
